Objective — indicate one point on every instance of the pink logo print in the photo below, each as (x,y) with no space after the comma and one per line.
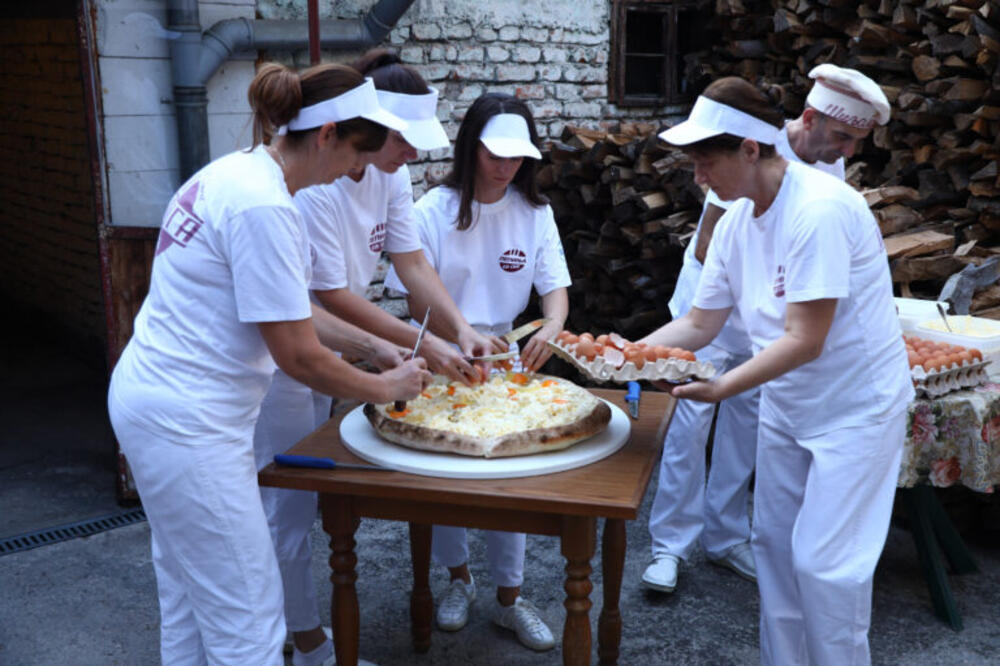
(376,239)
(779,282)
(513,260)
(181,223)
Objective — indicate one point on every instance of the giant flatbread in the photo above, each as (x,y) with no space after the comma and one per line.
(511,414)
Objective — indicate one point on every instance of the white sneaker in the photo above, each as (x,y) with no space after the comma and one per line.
(290,642)
(522,618)
(739,559)
(661,574)
(453,611)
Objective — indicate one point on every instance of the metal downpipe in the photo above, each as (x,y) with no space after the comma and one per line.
(195,57)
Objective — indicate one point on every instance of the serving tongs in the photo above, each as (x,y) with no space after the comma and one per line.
(400,405)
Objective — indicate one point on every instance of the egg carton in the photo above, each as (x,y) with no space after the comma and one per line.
(672,370)
(957,377)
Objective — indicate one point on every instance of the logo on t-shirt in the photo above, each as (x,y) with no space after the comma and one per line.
(181,224)
(376,239)
(512,260)
(779,282)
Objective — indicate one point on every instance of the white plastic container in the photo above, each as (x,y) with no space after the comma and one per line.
(968,331)
(913,311)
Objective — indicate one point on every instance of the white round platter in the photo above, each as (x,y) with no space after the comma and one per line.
(360,438)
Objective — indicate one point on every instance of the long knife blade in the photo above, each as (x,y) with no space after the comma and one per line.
(492,357)
(521,331)
(400,405)
(420,335)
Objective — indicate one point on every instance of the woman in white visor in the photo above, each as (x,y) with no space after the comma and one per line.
(228,300)
(349,223)
(492,238)
(800,258)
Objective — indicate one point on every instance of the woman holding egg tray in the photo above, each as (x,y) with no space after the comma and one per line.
(492,237)
(800,258)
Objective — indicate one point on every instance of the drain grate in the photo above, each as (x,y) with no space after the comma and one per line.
(16,544)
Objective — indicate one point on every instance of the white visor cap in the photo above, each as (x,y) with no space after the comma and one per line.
(420,111)
(506,135)
(709,118)
(849,96)
(358,102)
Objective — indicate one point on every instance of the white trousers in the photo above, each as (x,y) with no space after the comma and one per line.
(505,551)
(821,514)
(685,507)
(218,580)
(290,412)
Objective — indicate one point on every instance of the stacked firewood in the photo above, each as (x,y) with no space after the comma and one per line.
(933,168)
(627,206)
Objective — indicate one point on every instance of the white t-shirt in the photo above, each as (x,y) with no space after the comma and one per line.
(817,240)
(490,268)
(733,336)
(350,223)
(232,252)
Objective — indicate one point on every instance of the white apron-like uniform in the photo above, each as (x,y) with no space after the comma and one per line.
(489,270)
(185,395)
(686,506)
(349,223)
(831,431)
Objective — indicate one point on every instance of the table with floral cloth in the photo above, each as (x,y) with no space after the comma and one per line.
(954,438)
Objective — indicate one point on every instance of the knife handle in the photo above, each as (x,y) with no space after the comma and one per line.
(304,461)
(399,406)
(633,391)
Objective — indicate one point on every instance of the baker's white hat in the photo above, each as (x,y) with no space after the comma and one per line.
(709,118)
(506,135)
(358,102)
(848,95)
(420,111)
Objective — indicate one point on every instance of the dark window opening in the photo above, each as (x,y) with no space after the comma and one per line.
(654,44)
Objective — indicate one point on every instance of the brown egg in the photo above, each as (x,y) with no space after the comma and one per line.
(675,352)
(636,357)
(571,339)
(602,339)
(928,365)
(976,354)
(965,356)
(688,355)
(585,349)
(598,347)
(649,353)
(587,336)
(661,351)
(914,359)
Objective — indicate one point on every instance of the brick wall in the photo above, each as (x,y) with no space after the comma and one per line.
(553,54)
(48,234)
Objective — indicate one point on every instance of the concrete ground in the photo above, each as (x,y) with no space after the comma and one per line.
(93,600)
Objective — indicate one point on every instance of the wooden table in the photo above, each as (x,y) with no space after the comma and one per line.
(566,504)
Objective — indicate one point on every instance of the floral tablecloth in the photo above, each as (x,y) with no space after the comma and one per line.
(954,439)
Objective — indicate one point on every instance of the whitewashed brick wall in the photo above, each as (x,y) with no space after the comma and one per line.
(553,54)
(140,126)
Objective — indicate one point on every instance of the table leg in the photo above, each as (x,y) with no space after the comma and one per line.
(609,626)
(578,542)
(340,523)
(421,601)
(950,540)
(921,527)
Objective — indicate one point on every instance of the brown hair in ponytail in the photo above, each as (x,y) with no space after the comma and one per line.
(276,95)
(748,98)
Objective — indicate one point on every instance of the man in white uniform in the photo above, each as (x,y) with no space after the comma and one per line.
(685,506)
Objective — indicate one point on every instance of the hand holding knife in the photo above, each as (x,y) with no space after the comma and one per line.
(510,337)
(400,405)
